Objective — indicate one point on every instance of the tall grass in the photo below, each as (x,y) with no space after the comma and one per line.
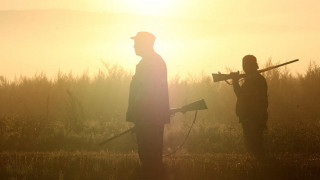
(102,165)
(76,112)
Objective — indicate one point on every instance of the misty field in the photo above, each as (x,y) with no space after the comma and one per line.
(102,165)
(50,128)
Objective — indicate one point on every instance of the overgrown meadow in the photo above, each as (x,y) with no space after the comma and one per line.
(70,114)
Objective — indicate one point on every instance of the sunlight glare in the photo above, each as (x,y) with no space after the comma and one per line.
(151,7)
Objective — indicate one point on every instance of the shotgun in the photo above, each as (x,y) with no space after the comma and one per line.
(224,77)
(195,106)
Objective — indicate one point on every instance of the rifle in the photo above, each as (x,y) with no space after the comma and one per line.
(224,77)
(195,106)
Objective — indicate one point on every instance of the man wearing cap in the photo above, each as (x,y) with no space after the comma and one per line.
(252,104)
(148,104)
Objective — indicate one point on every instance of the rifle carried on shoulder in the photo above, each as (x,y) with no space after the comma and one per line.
(195,106)
(224,77)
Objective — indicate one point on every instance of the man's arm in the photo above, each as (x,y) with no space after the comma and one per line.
(258,101)
(263,93)
(235,82)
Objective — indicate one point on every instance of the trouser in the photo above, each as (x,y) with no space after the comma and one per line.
(253,136)
(150,143)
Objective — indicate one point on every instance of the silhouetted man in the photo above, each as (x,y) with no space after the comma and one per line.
(149,105)
(252,104)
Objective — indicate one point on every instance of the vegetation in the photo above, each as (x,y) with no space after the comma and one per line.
(50,128)
(76,113)
(102,165)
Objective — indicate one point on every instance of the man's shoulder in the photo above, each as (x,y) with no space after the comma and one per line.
(261,80)
(258,77)
(158,58)
(261,77)
(157,61)
(152,59)
(153,64)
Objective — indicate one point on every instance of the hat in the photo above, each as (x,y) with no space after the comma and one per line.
(249,59)
(144,37)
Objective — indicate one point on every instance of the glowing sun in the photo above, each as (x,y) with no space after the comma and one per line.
(151,7)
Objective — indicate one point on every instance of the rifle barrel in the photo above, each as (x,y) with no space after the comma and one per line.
(276,66)
(116,136)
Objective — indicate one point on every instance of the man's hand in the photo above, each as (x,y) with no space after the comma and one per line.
(235,76)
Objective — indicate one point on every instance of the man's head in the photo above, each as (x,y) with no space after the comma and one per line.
(143,43)
(249,64)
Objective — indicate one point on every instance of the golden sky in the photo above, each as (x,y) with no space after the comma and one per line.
(193,36)
(208,9)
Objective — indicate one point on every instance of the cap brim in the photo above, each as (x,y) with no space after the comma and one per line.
(133,37)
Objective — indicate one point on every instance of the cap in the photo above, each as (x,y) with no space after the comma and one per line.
(144,37)
(249,58)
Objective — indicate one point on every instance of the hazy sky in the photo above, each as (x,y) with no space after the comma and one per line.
(208,35)
(212,9)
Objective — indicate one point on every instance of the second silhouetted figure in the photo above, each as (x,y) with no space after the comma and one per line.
(252,104)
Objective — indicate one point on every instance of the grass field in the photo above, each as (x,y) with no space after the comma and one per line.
(65,118)
(103,165)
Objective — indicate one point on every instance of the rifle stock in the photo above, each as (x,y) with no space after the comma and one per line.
(217,77)
(195,106)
